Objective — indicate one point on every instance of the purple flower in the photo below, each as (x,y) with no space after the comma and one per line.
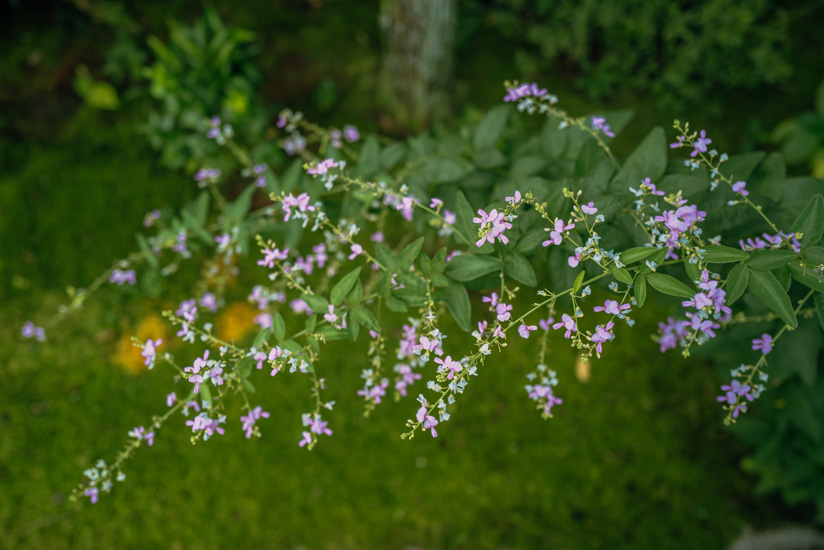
(651,186)
(271,255)
(491,300)
(29,330)
(598,123)
(589,208)
(322,167)
(503,311)
(196,378)
(448,365)
(602,334)
(331,317)
(408,378)
(514,199)
(739,187)
(248,421)
(149,437)
(435,202)
(301,202)
(429,421)
(763,344)
(350,133)
(546,323)
(121,277)
(357,250)
(557,233)
(170,399)
(524,90)
(376,392)
(263,320)
(92,493)
(612,307)
(524,330)
(700,145)
(307,439)
(568,323)
(150,351)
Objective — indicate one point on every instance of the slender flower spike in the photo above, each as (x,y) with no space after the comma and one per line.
(740,187)
(524,330)
(763,344)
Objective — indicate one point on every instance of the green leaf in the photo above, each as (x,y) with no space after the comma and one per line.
(818,298)
(491,127)
(318,304)
(235,212)
(438,261)
(640,290)
(621,274)
(365,317)
(395,304)
(386,258)
(632,255)
(692,270)
(356,295)
(767,288)
(671,286)
(247,385)
(579,280)
(353,326)
(465,213)
(311,323)
(424,264)
(466,267)
(811,222)
(262,336)
(800,352)
(443,169)
(342,288)
(531,242)
(457,301)
(766,260)
(384,286)
(518,267)
(717,254)
(408,254)
(658,257)
(147,250)
(205,393)
(737,282)
(648,160)
(806,276)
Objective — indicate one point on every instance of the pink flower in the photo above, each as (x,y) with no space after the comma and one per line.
(331,317)
(739,187)
(557,233)
(763,344)
(503,310)
(357,250)
(589,208)
(546,323)
(491,300)
(524,330)
(429,421)
(568,323)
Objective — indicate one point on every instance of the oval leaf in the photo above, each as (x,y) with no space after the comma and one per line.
(640,290)
(767,288)
(632,255)
(342,288)
(766,260)
(457,301)
(518,267)
(467,267)
(621,274)
(671,286)
(737,282)
(811,222)
(717,254)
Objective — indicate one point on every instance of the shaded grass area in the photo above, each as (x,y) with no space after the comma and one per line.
(633,459)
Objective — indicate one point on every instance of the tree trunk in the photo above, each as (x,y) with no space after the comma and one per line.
(418,60)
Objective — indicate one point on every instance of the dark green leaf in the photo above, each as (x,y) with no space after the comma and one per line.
(632,255)
(621,274)
(811,222)
(518,267)
(356,294)
(648,160)
(671,286)
(247,385)
(656,258)
(311,323)
(737,282)
(439,261)
(386,258)
(767,288)
(262,336)
(278,326)
(443,169)
(395,304)
(531,242)
(806,276)
(408,254)
(344,286)
(465,213)
(317,304)
(692,270)
(640,290)
(818,298)
(457,301)
(717,254)
(491,127)
(365,317)
(579,280)
(466,267)
(384,286)
(766,260)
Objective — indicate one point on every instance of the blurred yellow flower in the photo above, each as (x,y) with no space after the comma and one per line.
(127,354)
(235,321)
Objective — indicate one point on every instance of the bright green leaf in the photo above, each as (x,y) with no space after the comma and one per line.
(767,288)
(671,286)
